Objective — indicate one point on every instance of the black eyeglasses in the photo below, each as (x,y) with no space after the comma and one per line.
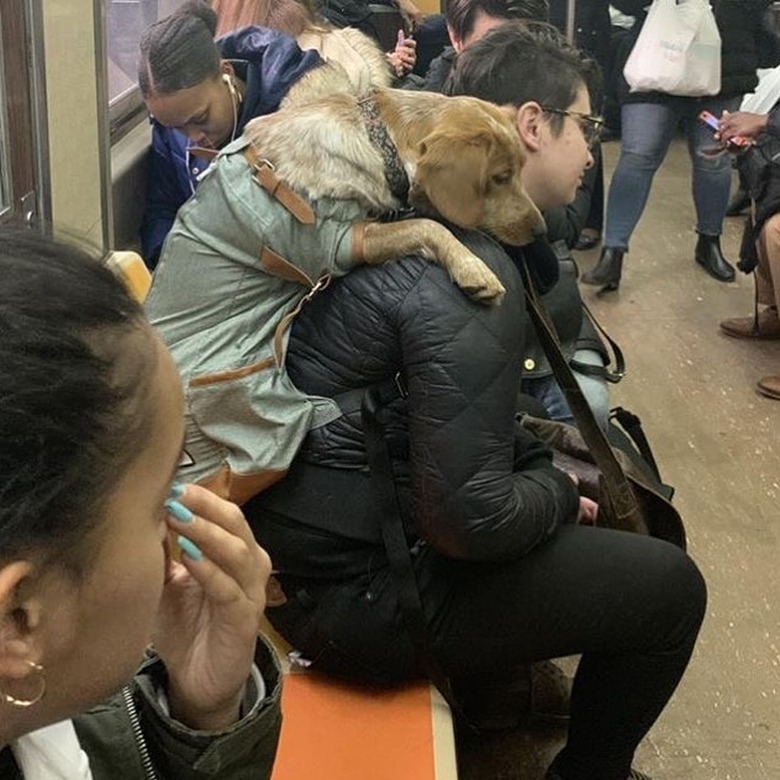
(590,125)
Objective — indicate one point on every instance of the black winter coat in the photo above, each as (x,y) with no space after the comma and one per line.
(739,23)
(472,483)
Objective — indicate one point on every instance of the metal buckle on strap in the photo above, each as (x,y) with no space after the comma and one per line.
(319,285)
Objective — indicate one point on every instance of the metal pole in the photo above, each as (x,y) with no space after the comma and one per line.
(571,10)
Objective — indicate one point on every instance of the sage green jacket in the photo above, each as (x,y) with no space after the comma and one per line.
(246,750)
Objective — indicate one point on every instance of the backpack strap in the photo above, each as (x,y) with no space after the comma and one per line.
(264,174)
(397,545)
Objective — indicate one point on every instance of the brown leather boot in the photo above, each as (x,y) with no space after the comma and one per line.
(770,387)
(765,327)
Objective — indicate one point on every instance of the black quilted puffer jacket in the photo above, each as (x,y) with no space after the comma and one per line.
(471,483)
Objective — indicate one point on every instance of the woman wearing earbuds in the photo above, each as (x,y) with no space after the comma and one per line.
(91,424)
(201,94)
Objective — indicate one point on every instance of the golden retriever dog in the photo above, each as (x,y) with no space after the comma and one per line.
(462,158)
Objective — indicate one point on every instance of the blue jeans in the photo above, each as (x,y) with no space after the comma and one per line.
(596,391)
(647,132)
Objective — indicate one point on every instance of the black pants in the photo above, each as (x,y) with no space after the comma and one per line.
(631,605)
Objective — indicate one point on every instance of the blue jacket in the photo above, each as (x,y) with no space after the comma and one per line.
(269,62)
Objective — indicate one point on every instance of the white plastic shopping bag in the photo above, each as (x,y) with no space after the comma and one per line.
(677,51)
(767,93)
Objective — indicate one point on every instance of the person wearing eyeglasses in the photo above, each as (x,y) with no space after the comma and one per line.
(504,573)
(467,22)
(649,121)
(200,94)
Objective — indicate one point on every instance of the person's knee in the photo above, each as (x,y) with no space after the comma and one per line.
(644,158)
(687,589)
(771,232)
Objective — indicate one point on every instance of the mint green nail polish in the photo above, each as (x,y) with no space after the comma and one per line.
(177,490)
(190,549)
(179,511)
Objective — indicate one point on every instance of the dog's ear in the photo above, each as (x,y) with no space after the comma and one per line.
(452,172)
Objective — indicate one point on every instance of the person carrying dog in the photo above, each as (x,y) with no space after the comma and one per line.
(504,573)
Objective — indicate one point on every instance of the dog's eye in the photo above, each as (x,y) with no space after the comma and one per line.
(502,178)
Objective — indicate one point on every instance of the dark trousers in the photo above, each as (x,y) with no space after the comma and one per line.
(631,605)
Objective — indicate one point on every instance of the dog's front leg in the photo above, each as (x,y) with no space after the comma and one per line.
(377,242)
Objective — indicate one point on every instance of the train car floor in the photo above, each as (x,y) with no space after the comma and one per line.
(716,441)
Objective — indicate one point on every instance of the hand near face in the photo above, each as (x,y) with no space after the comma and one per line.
(210,611)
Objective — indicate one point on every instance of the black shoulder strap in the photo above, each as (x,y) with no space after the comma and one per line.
(600,371)
(615,480)
(632,425)
(397,546)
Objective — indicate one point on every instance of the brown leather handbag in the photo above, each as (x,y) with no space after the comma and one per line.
(628,500)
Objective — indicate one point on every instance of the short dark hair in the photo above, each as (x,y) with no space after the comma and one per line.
(69,392)
(518,62)
(461,14)
(179,51)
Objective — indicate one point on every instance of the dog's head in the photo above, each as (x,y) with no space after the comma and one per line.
(468,170)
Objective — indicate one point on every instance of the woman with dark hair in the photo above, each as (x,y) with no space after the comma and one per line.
(91,424)
(201,94)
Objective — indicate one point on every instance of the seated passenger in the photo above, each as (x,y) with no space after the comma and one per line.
(360,55)
(91,425)
(551,257)
(505,574)
(201,94)
(467,21)
(763,241)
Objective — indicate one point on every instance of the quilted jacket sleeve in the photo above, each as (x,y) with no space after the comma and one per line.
(481,490)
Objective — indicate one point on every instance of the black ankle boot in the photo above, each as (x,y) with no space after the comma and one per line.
(607,272)
(710,258)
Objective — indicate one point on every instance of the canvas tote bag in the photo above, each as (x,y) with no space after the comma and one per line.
(677,51)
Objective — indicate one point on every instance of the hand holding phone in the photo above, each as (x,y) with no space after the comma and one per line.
(734,143)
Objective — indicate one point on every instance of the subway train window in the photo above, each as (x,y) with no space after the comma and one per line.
(126,21)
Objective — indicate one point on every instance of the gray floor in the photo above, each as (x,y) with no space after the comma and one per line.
(716,441)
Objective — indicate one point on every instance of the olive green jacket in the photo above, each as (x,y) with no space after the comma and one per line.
(246,750)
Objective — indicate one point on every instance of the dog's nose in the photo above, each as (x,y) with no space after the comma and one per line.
(540,229)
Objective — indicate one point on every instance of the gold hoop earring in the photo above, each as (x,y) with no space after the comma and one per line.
(14,702)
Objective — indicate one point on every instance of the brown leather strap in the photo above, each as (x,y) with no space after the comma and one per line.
(277,188)
(615,481)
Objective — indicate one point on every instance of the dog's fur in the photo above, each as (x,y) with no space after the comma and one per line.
(462,155)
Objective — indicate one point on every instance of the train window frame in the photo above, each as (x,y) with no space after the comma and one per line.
(6,188)
(126,107)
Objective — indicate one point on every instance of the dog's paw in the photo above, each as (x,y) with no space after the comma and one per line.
(476,280)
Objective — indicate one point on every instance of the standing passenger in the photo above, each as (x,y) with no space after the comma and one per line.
(201,94)
(649,121)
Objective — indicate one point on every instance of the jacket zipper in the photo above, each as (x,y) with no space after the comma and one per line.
(140,741)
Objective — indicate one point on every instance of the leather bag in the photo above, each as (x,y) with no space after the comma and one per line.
(628,500)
